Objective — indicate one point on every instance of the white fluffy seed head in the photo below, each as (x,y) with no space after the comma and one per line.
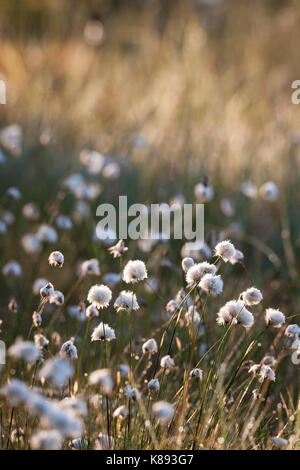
(47,234)
(41,341)
(134,271)
(197,373)
(153,384)
(126,301)
(105,442)
(31,244)
(103,378)
(26,350)
(235,311)
(132,393)
(197,271)
(99,296)
(203,192)
(57,370)
(36,319)
(91,312)
(68,350)
(292,331)
(252,296)
(47,290)
(57,298)
(56,258)
(90,267)
(163,411)
(103,332)
(118,250)
(38,284)
(269,191)
(225,250)
(12,268)
(150,346)
(121,412)
(49,439)
(275,317)
(249,189)
(237,258)
(187,263)
(263,372)
(211,284)
(167,362)
(279,442)
(124,369)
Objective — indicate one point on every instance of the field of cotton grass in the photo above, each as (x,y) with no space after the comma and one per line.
(149,344)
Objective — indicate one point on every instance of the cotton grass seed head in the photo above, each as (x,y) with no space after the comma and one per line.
(187,263)
(203,192)
(26,350)
(68,350)
(36,319)
(153,384)
(47,290)
(274,317)
(237,258)
(102,377)
(16,392)
(262,372)
(249,189)
(163,411)
(47,234)
(167,362)
(17,436)
(91,312)
(41,341)
(57,371)
(211,284)
(225,250)
(38,284)
(292,331)
(126,301)
(124,369)
(99,296)
(150,346)
(64,222)
(121,412)
(74,404)
(197,373)
(103,332)
(132,393)
(56,258)
(31,244)
(49,439)
(235,311)
(90,267)
(57,298)
(279,442)
(134,271)
(105,442)
(79,444)
(197,271)
(118,250)
(252,296)
(269,191)
(12,269)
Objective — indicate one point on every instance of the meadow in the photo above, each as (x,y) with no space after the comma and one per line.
(149,344)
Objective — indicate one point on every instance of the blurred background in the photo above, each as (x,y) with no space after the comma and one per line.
(174,92)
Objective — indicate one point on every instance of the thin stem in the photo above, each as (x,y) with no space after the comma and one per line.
(82,349)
